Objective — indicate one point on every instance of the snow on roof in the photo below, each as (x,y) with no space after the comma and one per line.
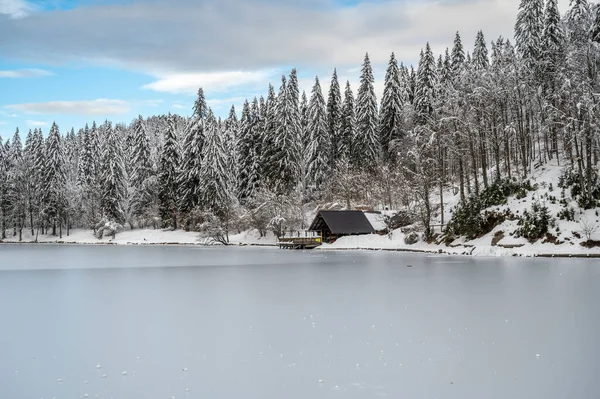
(376,221)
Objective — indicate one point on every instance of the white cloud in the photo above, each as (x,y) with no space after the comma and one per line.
(178,106)
(3,122)
(24,73)
(219,82)
(36,123)
(16,8)
(241,35)
(102,107)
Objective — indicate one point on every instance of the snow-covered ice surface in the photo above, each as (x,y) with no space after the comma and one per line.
(188,321)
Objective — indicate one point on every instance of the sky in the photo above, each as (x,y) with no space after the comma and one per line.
(76,61)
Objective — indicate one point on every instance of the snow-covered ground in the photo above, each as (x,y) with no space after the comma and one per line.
(569,233)
(140,237)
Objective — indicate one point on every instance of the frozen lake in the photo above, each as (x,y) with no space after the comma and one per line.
(186,322)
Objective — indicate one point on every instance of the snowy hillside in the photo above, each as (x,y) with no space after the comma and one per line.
(565,237)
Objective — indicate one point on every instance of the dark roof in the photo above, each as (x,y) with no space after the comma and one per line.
(342,222)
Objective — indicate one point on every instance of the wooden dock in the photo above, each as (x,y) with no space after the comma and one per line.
(299,242)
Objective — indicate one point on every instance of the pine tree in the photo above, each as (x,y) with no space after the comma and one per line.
(390,128)
(480,53)
(365,146)
(319,147)
(529,30)
(348,125)
(334,116)
(168,177)
(113,178)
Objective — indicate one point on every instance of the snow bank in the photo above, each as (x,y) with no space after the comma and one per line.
(127,237)
(141,237)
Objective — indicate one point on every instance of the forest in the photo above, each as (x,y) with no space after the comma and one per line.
(465,121)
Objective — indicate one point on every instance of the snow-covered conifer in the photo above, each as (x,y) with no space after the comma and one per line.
(390,118)
(319,147)
(365,147)
(113,179)
(334,116)
(426,81)
(480,53)
(529,30)
(168,176)
(348,124)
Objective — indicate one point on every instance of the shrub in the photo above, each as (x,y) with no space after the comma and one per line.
(573,179)
(566,214)
(411,238)
(469,220)
(534,223)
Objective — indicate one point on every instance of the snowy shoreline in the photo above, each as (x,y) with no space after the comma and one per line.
(372,242)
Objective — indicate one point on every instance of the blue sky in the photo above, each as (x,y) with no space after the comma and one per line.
(75,61)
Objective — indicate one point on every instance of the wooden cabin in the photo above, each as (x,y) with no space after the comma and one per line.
(334,224)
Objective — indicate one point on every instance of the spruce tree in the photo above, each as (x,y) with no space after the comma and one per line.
(480,53)
(334,116)
(412,85)
(365,146)
(215,195)
(284,161)
(17,184)
(268,131)
(168,176)
(529,30)
(142,168)
(304,133)
(231,134)
(390,128)
(553,32)
(54,180)
(141,162)
(426,80)
(191,159)
(113,178)
(595,30)
(348,125)
(319,147)
(249,159)
(579,11)
(458,56)
(4,187)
